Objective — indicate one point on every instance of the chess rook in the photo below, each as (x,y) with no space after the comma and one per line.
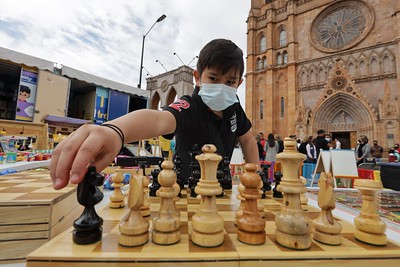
(134,230)
(293,225)
(251,224)
(117,199)
(207,224)
(88,227)
(167,223)
(325,228)
(369,226)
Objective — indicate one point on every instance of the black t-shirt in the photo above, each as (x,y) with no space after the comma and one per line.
(321,143)
(197,124)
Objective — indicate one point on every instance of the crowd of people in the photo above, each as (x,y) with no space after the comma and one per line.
(311,146)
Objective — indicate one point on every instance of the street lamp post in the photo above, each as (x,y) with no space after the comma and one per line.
(144,37)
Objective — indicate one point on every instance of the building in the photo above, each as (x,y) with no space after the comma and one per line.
(32,89)
(326,64)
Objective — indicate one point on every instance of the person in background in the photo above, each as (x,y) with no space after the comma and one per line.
(261,151)
(338,144)
(376,151)
(321,142)
(302,148)
(311,151)
(278,138)
(363,150)
(272,149)
(396,147)
(262,140)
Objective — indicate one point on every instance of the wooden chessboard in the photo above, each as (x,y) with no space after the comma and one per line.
(61,251)
(32,212)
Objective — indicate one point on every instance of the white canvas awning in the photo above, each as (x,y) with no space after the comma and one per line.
(90,78)
(20,58)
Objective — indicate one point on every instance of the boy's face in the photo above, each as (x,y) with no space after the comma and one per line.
(23,96)
(213,76)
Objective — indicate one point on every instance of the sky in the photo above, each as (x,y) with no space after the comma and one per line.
(104,37)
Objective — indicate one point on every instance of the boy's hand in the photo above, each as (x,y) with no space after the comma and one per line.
(89,145)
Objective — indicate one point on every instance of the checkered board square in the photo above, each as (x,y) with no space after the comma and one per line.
(62,251)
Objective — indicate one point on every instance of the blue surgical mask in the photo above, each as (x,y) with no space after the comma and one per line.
(218,96)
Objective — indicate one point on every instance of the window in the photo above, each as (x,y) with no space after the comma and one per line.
(285,57)
(261,109)
(282,38)
(263,44)
(265,63)
(282,107)
(259,64)
(279,59)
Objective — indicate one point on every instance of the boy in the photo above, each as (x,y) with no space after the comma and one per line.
(212,115)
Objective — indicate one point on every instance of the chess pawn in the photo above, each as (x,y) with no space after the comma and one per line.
(369,227)
(303,198)
(88,227)
(145,208)
(166,224)
(325,228)
(155,185)
(292,224)
(239,211)
(207,223)
(117,199)
(275,192)
(251,224)
(134,230)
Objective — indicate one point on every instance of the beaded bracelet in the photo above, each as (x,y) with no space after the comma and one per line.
(118,131)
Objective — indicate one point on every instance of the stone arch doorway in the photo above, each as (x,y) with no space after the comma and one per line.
(346,116)
(171,97)
(155,101)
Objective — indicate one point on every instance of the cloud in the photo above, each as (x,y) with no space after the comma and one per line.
(105,37)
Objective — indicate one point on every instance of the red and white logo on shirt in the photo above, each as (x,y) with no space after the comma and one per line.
(180,104)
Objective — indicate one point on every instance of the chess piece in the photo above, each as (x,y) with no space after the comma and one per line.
(88,227)
(303,198)
(178,170)
(134,230)
(220,178)
(276,193)
(145,208)
(227,180)
(194,170)
(117,199)
(265,179)
(260,205)
(369,227)
(239,211)
(325,228)
(167,223)
(207,224)
(292,223)
(154,184)
(251,224)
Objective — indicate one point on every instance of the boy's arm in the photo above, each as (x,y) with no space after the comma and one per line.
(249,148)
(98,146)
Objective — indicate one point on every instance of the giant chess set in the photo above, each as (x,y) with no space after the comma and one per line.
(238,228)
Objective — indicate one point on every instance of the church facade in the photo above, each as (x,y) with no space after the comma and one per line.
(325,64)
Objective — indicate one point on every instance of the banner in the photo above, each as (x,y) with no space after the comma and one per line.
(26,96)
(101,106)
(118,104)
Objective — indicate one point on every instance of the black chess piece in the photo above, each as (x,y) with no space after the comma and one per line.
(194,168)
(220,178)
(265,179)
(155,185)
(227,180)
(178,171)
(276,193)
(88,227)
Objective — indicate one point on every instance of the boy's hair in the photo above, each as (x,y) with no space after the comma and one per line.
(25,89)
(221,54)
